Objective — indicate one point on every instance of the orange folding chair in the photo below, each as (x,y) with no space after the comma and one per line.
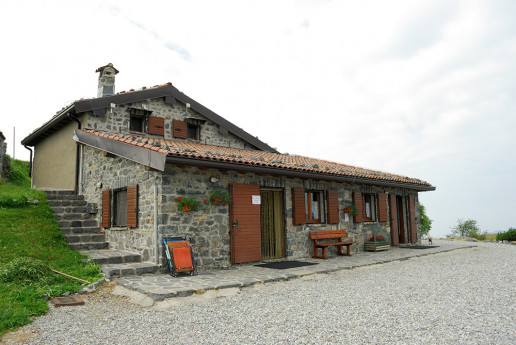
(179,255)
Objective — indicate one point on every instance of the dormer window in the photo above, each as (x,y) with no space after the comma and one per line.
(138,120)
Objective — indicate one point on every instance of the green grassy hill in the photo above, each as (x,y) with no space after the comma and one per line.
(31,244)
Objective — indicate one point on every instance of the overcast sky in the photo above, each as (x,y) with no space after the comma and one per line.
(425,89)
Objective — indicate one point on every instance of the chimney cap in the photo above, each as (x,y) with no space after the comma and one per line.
(100,69)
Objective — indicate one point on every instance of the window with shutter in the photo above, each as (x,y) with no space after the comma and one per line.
(179,129)
(106,208)
(298,206)
(382,207)
(132,206)
(357,200)
(156,125)
(332,201)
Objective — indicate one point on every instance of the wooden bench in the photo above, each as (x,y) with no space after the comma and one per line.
(328,235)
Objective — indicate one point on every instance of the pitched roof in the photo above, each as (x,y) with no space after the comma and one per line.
(191,153)
(99,106)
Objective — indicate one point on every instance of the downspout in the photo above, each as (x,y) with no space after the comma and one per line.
(156,237)
(77,153)
(30,161)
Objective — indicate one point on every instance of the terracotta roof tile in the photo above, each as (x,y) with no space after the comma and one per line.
(252,157)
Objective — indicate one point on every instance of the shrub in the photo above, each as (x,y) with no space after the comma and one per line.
(509,235)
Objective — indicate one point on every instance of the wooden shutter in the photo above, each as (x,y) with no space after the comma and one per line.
(179,129)
(382,207)
(332,198)
(106,208)
(156,125)
(394,220)
(412,219)
(298,206)
(359,203)
(132,206)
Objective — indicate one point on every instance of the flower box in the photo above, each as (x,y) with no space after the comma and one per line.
(376,246)
(376,243)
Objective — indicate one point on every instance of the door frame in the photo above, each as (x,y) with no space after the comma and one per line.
(282,225)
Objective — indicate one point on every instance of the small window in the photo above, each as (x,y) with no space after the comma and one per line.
(193,131)
(369,207)
(120,207)
(314,208)
(137,124)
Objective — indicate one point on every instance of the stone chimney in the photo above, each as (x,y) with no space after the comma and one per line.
(106,80)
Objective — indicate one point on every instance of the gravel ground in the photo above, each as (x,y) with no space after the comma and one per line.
(466,296)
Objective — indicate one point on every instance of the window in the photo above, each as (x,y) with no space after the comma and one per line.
(314,206)
(137,124)
(369,212)
(120,207)
(192,131)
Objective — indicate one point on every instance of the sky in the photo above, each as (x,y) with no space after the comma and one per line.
(424,89)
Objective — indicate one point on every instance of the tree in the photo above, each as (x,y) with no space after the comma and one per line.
(425,222)
(466,228)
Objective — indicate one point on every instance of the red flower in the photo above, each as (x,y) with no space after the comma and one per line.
(179,198)
(205,200)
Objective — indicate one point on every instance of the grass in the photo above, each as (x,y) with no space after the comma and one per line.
(31,244)
(490,237)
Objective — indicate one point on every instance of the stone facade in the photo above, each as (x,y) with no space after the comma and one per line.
(209,227)
(117,120)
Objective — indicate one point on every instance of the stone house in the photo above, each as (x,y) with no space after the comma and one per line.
(134,154)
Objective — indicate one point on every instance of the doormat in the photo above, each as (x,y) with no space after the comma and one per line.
(420,247)
(67,301)
(286,264)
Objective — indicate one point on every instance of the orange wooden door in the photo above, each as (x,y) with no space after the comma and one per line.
(245,223)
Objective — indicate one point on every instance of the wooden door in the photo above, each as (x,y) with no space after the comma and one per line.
(272,224)
(245,223)
(401,219)
(393,210)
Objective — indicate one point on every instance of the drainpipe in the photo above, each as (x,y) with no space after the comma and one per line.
(30,161)
(156,237)
(77,153)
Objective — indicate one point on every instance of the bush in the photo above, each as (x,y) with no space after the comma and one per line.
(509,235)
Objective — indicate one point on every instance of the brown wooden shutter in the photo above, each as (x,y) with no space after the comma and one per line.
(106,208)
(382,207)
(132,206)
(357,200)
(412,219)
(332,197)
(179,129)
(298,206)
(394,220)
(156,125)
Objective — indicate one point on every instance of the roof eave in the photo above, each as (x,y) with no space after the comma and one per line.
(32,138)
(294,173)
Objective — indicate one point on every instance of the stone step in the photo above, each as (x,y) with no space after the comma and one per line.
(66,203)
(72,216)
(88,245)
(69,209)
(130,269)
(67,223)
(55,193)
(81,230)
(111,256)
(67,197)
(85,238)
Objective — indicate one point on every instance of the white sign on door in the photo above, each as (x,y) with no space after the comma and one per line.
(257,200)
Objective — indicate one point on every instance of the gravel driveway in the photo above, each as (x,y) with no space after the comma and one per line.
(465,296)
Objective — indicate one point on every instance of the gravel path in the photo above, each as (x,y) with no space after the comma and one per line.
(466,296)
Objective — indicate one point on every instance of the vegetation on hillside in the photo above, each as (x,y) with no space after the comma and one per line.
(509,235)
(31,244)
(468,228)
(425,222)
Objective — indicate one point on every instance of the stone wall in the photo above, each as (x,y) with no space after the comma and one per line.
(117,120)
(208,228)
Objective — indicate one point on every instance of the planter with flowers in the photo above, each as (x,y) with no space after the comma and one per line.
(350,209)
(187,204)
(376,243)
